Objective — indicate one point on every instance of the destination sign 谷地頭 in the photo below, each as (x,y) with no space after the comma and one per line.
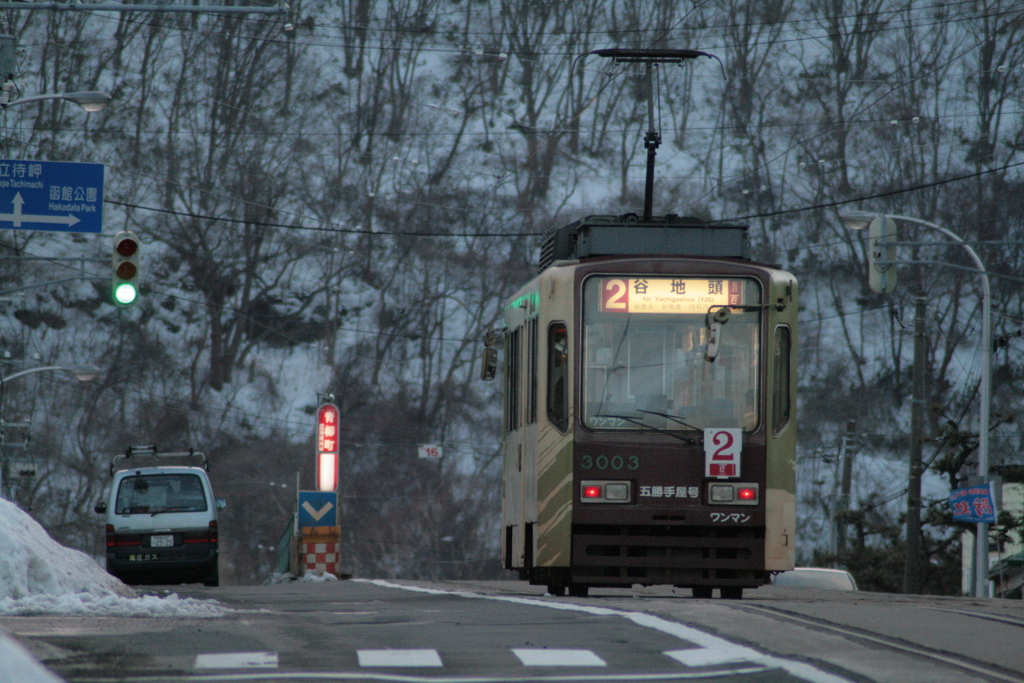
(668,295)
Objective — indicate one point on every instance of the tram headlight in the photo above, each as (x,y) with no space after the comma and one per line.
(616,492)
(722,493)
(600,491)
(733,493)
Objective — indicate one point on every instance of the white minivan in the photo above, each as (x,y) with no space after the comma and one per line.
(161,520)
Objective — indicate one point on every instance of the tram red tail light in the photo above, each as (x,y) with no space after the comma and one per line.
(733,493)
(603,491)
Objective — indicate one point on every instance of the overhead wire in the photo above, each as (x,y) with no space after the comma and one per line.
(505,235)
(520,234)
(351,435)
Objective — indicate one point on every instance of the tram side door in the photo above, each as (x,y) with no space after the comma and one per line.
(513,493)
(528,441)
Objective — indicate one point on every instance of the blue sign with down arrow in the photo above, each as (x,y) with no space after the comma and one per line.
(51,195)
(318,508)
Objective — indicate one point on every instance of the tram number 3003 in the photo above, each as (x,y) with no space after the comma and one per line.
(616,462)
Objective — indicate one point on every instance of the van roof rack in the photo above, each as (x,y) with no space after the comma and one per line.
(133,452)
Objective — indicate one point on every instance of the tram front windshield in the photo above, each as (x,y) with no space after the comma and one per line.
(643,354)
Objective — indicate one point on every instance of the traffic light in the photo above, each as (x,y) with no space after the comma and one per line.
(882,255)
(124,287)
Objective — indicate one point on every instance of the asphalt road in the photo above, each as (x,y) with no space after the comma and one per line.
(509,631)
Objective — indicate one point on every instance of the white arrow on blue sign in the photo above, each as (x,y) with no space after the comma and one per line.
(51,195)
(318,508)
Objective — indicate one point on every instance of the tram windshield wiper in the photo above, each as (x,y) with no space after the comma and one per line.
(674,418)
(641,423)
(176,508)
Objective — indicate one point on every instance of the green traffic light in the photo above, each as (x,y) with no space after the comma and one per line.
(125,293)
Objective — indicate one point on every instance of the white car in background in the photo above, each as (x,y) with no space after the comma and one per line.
(161,521)
(816,577)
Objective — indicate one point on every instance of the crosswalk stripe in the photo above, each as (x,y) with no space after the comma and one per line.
(400,658)
(696,656)
(237,660)
(709,656)
(550,657)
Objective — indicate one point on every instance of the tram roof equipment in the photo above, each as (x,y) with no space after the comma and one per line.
(628,235)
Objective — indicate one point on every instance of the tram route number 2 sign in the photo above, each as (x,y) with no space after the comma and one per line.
(722,452)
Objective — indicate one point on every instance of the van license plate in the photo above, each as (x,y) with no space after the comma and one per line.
(161,541)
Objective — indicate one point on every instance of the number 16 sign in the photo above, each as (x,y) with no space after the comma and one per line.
(722,452)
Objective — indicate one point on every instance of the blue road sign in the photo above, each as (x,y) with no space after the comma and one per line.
(51,195)
(974,504)
(318,508)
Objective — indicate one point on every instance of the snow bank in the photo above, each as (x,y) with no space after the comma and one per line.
(111,605)
(32,563)
(40,576)
(312,577)
(20,666)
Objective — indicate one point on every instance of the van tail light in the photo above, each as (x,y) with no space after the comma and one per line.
(199,537)
(114,540)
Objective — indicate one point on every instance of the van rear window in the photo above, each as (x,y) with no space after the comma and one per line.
(154,493)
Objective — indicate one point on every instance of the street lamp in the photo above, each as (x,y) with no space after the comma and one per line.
(84,373)
(89,101)
(858,220)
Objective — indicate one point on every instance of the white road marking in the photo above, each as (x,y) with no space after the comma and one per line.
(709,656)
(552,657)
(237,660)
(355,613)
(806,672)
(364,676)
(401,658)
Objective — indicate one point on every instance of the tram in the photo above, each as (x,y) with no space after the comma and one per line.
(649,410)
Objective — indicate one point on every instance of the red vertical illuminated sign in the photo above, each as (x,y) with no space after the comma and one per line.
(327,419)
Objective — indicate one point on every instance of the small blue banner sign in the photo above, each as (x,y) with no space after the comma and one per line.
(974,504)
(51,195)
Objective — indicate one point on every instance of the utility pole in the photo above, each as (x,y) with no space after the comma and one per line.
(912,557)
(846,453)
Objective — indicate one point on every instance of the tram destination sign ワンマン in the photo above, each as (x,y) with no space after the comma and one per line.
(51,195)
(668,295)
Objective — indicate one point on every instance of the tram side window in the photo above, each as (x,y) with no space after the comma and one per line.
(558,376)
(512,379)
(781,400)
